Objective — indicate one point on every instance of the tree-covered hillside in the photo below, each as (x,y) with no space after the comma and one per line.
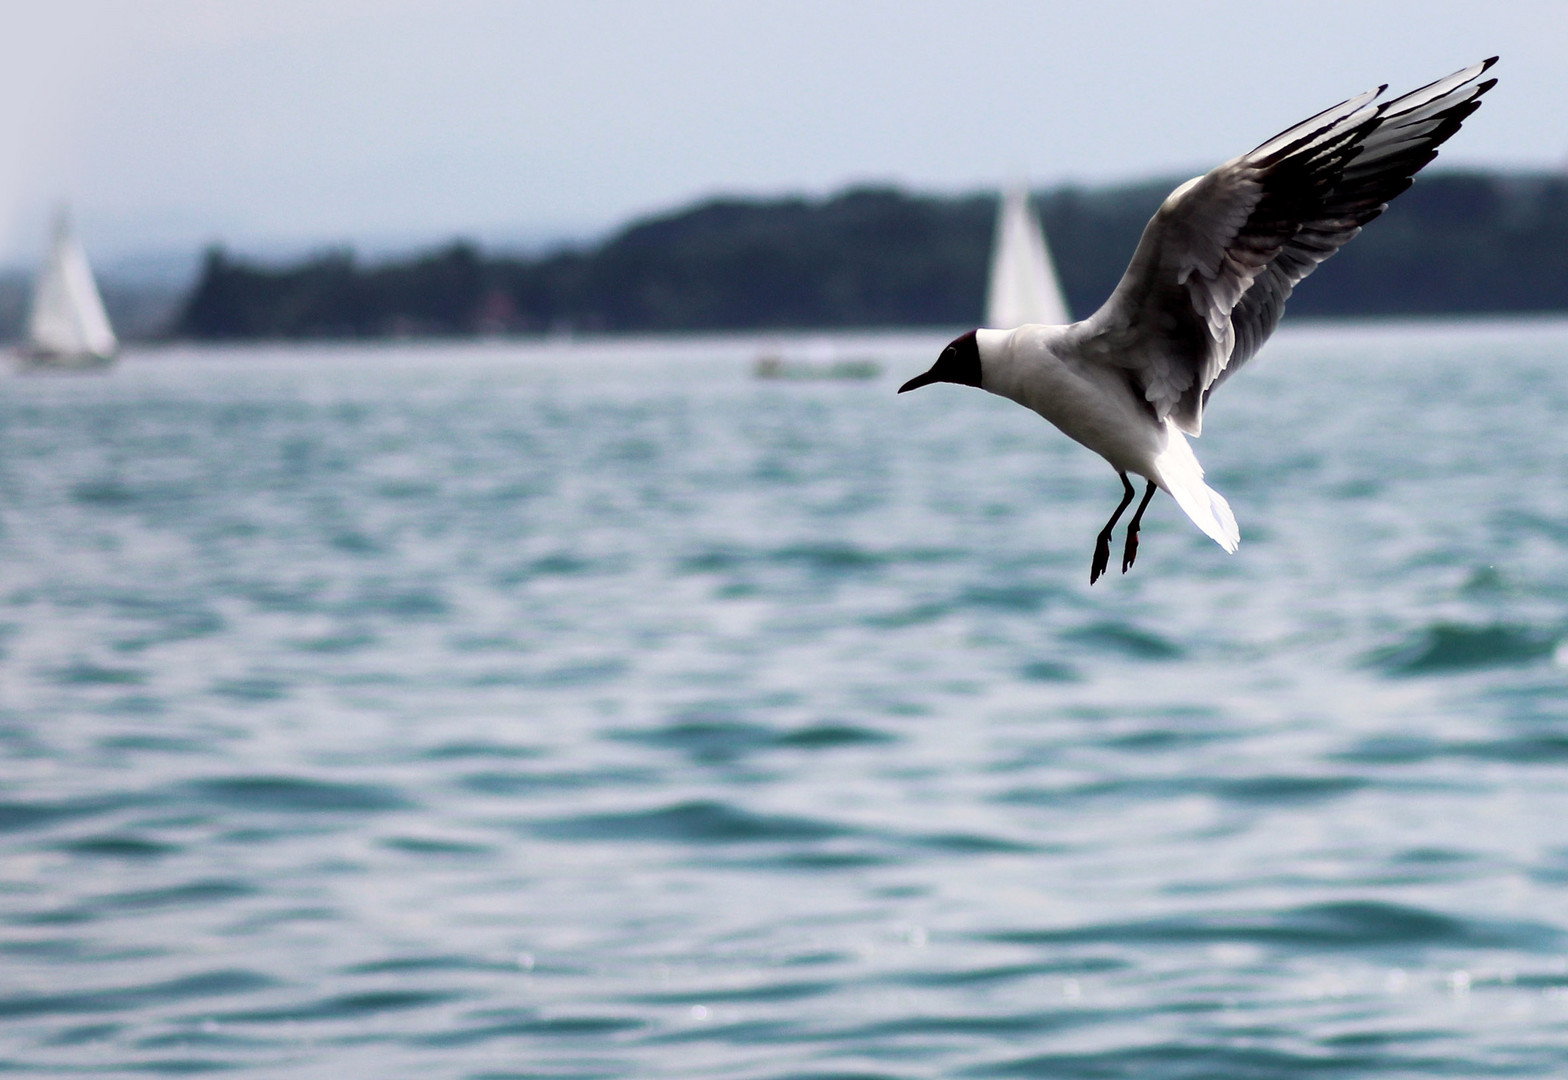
(1455,243)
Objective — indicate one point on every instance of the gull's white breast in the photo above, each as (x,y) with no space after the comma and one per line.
(1090,402)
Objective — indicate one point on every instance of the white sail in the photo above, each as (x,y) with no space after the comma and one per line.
(68,326)
(1023,287)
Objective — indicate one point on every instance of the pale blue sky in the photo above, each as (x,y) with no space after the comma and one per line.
(392,123)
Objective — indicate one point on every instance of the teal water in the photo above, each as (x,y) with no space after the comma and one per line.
(599,711)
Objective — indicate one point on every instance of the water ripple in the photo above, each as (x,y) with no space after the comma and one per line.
(695,822)
(1346,924)
(292,794)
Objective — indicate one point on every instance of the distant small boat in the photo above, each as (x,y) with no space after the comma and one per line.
(821,364)
(1023,286)
(68,329)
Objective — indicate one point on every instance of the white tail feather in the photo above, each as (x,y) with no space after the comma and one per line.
(1178,472)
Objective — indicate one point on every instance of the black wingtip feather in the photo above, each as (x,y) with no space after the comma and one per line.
(1316,196)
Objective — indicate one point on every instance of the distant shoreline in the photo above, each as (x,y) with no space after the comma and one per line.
(1457,244)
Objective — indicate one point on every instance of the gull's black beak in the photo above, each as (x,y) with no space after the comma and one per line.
(959,363)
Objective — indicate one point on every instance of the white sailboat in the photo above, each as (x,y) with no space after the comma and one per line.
(1023,286)
(68,329)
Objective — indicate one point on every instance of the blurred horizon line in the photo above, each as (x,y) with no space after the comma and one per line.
(172,260)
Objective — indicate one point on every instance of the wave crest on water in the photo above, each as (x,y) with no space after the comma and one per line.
(1449,647)
(1362,924)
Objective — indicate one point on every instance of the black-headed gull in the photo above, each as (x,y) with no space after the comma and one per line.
(1205,288)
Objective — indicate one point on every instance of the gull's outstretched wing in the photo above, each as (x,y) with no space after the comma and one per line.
(1217,262)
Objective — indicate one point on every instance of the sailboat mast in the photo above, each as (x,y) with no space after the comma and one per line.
(1023,286)
(68,326)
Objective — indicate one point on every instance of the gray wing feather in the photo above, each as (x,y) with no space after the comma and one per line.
(1218,261)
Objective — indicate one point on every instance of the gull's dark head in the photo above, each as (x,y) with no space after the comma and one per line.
(959,363)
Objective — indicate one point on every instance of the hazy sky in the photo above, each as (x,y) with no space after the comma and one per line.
(391,123)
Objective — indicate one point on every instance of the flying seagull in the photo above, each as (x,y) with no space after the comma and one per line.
(1206,287)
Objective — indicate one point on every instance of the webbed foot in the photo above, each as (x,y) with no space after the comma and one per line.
(1102,557)
(1130,552)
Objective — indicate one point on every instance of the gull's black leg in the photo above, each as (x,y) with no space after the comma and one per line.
(1131,551)
(1102,544)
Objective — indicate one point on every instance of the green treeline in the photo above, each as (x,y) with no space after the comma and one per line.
(1455,243)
